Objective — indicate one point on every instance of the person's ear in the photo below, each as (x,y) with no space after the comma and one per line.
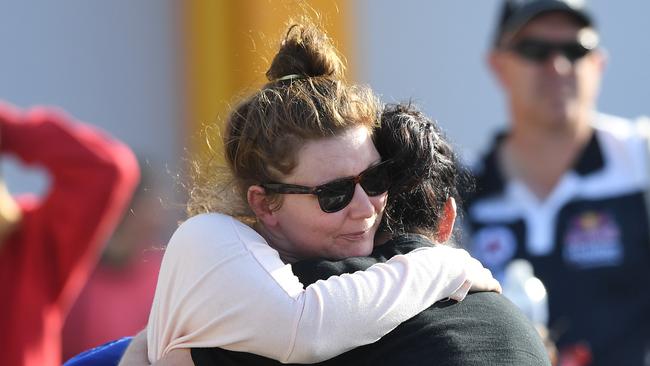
(601,58)
(259,203)
(496,63)
(446,226)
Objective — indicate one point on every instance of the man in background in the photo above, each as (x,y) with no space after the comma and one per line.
(564,187)
(49,245)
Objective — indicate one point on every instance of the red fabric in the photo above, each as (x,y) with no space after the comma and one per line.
(115,303)
(45,263)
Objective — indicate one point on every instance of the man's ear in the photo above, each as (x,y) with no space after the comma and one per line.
(495,62)
(259,203)
(446,226)
(601,58)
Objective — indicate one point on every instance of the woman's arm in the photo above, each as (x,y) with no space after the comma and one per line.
(221,285)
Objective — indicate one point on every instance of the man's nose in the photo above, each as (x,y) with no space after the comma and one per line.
(559,64)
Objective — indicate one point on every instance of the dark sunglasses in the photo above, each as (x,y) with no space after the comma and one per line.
(539,51)
(335,195)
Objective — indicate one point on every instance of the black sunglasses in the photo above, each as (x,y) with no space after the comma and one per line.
(539,51)
(335,195)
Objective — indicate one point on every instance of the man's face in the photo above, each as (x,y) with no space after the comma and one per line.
(550,77)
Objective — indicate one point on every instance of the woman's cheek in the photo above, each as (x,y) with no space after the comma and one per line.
(381,203)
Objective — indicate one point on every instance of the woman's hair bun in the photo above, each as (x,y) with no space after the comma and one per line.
(306,51)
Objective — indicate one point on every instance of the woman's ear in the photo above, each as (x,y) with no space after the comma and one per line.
(446,226)
(259,203)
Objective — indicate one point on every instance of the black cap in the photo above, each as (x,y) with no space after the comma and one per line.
(516,13)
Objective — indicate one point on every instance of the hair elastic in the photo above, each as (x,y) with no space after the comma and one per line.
(290,77)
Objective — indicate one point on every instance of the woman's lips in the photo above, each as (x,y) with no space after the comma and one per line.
(355,236)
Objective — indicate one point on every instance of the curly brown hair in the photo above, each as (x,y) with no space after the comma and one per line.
(305,99)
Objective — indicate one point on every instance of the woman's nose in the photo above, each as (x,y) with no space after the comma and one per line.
(361,206)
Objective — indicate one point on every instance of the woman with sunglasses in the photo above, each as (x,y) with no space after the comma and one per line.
(302,161)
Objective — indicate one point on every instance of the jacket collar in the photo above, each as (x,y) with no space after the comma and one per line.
(490,179)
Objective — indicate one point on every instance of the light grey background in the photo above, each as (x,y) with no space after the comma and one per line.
(113,64)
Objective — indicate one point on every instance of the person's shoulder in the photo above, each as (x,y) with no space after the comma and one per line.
(488,324)
(624,144)
(483,329)
(498,308)
(614,126)
(210,229)
(205,223)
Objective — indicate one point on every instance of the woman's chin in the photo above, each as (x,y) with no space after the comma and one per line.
(362,249)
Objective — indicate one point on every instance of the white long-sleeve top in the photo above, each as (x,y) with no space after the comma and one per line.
(222,285)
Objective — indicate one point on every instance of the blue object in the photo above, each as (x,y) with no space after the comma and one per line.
(108,354)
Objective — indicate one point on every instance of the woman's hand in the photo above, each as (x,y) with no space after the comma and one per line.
(480,277)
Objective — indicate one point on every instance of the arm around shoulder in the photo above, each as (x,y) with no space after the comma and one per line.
(213,286)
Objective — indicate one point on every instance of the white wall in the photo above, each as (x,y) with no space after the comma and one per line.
(110,63)
(434,51)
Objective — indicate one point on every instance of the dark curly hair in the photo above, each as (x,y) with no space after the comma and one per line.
(424,169)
